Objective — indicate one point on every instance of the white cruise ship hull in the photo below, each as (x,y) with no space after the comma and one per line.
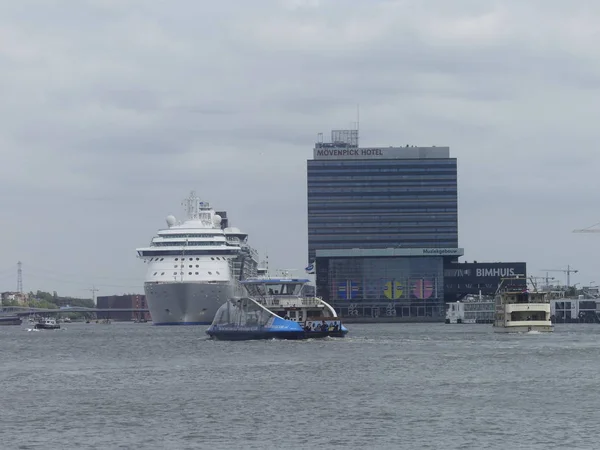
(187,303)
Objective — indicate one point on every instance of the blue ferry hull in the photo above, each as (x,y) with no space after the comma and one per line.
(255,335)
(292,332)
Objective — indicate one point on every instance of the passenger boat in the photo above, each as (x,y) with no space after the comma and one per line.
(276,308)
(518,311)
(46,324)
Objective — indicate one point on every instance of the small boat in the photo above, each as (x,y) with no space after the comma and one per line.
(276,308)
(47,324)
(519,311)
(10,320)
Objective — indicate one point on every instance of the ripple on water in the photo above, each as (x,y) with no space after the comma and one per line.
(385,386)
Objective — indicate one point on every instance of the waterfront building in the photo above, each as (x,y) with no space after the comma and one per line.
(382,223)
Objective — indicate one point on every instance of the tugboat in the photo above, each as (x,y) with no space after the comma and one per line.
(47,324)
(276,308)
(518,311)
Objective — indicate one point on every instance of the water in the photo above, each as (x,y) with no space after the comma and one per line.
(386,386)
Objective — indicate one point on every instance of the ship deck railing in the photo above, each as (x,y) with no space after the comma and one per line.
(293,302)
(526,323)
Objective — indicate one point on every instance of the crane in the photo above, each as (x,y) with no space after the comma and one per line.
(568,271)
(545,279)
(589,229)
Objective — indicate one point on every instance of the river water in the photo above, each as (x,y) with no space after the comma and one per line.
(386,386)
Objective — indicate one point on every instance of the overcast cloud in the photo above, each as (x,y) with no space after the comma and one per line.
(111,111)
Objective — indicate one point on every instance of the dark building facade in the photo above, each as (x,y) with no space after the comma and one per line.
(135,301)
(462,279)
(382,223)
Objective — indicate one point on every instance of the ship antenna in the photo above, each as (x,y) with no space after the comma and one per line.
(267,262)
(191,205)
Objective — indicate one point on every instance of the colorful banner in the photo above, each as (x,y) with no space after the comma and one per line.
(348,289)
(392,290)
(423,288)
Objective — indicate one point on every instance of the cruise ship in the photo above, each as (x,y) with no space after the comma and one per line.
(195,266)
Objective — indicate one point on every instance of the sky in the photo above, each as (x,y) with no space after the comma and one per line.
(111,111)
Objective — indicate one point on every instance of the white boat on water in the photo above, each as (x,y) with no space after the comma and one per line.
(47,323)
(471,310)
(195,266)
(521,311)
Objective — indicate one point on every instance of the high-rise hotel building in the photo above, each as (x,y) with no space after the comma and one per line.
(382,221)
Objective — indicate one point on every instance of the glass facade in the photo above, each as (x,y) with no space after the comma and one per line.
(381,203)
(407,287)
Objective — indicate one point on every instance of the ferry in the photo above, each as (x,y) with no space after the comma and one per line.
(276,308)
(519,310)
(472,310)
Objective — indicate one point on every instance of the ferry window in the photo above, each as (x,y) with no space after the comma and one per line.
(190,273)
(218,273)
(162,273)
(191,259)
(176,259)
(162,259)
(176,266)
(210,273)
(197,259)
(191,266)
(212,258)
(155,273)
(174,273)
(196,266)
(196,273)
(180,273)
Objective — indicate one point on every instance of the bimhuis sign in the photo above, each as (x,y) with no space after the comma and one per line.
(471,278)
(325,152)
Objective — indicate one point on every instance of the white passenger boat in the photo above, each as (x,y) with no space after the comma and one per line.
(519,310)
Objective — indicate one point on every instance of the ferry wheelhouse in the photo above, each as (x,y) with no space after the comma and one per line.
(280,308)
(519,310)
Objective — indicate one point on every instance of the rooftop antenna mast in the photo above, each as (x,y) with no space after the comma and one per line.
(20,277)
(357,123)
